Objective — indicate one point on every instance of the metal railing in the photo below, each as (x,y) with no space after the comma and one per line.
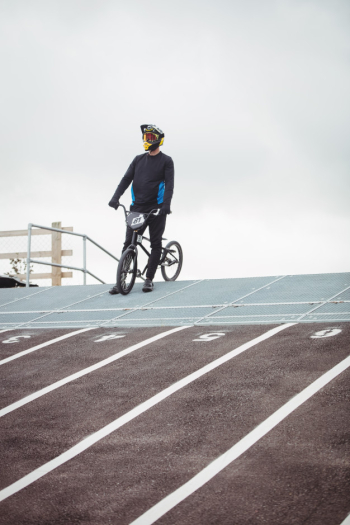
(83,269)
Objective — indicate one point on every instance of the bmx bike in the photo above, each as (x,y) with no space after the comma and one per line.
(170,261)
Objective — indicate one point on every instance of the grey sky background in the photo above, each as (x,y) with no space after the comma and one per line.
(253,98)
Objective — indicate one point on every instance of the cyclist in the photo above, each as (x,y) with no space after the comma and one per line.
(152,178)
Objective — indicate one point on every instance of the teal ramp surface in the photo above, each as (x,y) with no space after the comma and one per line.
(251,300)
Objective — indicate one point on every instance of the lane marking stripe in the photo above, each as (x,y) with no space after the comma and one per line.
(205,475)
(47,343)
(346,521)
(85,371)
(132,414)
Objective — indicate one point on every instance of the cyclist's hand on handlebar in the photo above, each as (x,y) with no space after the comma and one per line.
(114,204)
(165,210)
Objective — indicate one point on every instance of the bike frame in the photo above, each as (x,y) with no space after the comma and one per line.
(137,239)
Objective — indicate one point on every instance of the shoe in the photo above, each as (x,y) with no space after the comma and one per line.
(148,286)
(114,290)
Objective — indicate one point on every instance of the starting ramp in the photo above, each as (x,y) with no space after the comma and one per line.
(251,300)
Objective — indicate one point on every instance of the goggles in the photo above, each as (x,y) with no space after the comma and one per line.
(150,137)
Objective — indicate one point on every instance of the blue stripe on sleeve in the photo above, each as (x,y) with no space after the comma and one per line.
(161,192)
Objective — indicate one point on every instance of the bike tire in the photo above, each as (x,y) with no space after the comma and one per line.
(168,274)
(127,267)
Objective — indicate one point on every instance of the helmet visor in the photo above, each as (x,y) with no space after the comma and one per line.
(150,137)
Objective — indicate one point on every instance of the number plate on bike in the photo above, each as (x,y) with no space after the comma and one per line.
(135,220)
(139,238)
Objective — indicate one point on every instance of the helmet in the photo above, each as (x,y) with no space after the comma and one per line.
(152,137)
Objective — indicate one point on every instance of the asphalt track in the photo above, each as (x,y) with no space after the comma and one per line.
(117,425)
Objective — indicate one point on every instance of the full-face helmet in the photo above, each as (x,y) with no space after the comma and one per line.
(152,137)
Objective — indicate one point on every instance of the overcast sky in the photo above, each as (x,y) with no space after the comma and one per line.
(253,98)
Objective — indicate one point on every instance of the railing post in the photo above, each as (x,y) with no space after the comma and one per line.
(28,252)
(84,257)
(56,248)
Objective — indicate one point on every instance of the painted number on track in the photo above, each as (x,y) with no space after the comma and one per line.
(326,333)
(15,339)
(110,336)
(209,337)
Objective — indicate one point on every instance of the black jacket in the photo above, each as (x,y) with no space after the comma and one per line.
(152,178)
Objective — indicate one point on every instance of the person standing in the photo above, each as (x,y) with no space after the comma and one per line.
(152,178)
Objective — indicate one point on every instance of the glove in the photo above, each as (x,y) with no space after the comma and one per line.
(165,209)
(114,204)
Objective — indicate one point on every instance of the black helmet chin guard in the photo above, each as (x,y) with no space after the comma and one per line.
(152,137)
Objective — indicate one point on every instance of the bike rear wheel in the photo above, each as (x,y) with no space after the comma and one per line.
(172,264)
(126,272)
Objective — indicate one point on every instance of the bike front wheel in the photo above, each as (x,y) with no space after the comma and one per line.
(126,272)
(172,264)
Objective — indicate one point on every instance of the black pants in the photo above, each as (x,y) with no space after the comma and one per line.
(156,225)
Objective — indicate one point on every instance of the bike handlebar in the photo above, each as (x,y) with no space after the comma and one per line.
(157,211)
(122,205)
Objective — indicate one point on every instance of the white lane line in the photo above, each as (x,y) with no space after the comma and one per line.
(346,521)
(85,371)
(129,416)
(47,343)
(205,475)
